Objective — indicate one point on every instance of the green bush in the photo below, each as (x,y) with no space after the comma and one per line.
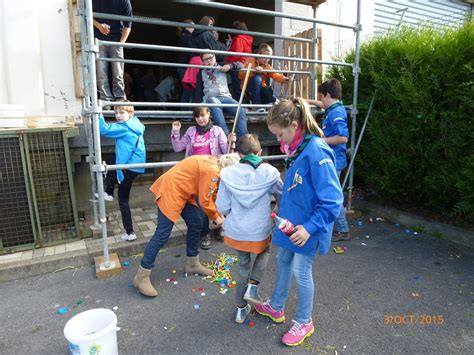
(418,148)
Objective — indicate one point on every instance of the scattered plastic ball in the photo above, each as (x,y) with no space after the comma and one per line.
(231,285)
(359,224)
(234,282)
(63,310)
(407,231)
(114,308)
(126,263)
(174,271)
(251,323)
(196,306)
(397,225)
(203,294)
(247,321)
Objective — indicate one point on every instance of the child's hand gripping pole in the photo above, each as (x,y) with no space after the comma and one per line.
(242,94)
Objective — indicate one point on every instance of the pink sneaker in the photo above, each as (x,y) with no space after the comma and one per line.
(265,309)
(297,333)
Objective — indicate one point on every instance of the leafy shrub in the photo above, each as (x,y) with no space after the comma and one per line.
(419,144)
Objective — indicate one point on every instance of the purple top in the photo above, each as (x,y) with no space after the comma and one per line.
(218,141)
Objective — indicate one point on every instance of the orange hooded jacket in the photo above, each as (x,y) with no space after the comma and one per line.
(195,176)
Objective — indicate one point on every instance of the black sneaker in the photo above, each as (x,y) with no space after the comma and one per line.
(205,243)
(340,236)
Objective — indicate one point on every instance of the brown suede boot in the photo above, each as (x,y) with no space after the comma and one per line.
(143,283)
(193,266)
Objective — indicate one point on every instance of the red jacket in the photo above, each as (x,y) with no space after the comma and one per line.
(242,44)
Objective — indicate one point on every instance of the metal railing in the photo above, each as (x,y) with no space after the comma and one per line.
(93,106)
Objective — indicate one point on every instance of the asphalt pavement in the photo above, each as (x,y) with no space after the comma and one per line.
(390,292)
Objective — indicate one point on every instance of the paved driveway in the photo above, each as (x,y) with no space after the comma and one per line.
(388,278)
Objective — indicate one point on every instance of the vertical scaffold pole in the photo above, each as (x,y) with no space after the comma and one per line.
(314,48)
(356,70)
(95,111)
(86,105)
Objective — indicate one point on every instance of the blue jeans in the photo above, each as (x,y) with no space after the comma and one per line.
(102,70)
(340,224)
(192,217)
(288,263)
(217,114)
(258,94)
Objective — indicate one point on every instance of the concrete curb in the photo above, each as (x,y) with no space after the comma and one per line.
(76,259)
(445,231)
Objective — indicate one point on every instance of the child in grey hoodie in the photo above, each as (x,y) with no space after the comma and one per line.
(244,198)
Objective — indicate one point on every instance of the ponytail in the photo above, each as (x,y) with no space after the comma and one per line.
(294,109)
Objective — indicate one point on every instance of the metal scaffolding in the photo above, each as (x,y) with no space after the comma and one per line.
(93,106)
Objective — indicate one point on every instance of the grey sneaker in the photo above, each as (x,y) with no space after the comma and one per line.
(340,236)
(251,294)
(129,237)
(242,313)
(205,243)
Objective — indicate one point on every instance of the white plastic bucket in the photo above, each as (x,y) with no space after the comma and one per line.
(92,332)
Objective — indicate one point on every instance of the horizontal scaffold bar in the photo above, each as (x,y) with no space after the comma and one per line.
(224,53)
(165,164)
(155,21)
(178,65)
(255,11)
(178,104)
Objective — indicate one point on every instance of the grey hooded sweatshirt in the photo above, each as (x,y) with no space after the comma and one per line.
(244,199)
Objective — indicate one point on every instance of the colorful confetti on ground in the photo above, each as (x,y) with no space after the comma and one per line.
(222,276)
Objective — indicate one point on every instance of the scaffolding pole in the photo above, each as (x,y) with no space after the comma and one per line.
(86,118)
(94,110)
(154,21)
(221,6)
(217,52)
(354,110)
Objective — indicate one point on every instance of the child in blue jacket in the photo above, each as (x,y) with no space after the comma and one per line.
(129,149)
(311,200)
(336,134)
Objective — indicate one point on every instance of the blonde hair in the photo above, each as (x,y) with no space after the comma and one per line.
(130,109)
(294,109)
(227,160)
(264,48)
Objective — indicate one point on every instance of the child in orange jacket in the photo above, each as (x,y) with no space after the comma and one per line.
(176,193)
(258,87)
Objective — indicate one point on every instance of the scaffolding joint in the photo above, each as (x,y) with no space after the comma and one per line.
(99,168)
(92,49)
(357,27)
(91,110)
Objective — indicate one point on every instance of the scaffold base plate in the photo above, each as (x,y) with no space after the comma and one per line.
(115,268)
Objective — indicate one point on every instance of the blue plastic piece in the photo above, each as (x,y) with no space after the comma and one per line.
(63,310)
